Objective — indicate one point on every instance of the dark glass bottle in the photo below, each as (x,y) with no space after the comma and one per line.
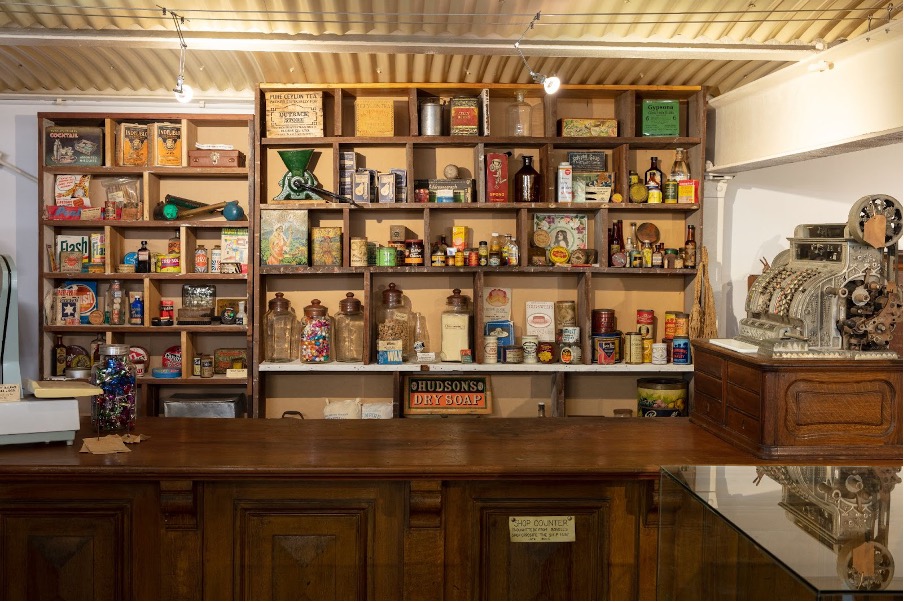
(528,183)
(654,174)
(143,261)
(59,357)
(690,249)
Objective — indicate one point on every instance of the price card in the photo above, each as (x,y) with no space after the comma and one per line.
(10,393)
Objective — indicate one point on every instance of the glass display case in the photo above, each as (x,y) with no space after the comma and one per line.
(780,533)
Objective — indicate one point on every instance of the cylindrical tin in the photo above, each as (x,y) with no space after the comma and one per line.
(490,349)
(414,252)
(571,334)
(358,252)
(170,263)
(607,348)
(216,255)
(206,366)
(546,352)
(569,353)
(681,351)
(633,348)
(660,354)
(647,351)
(681,325)
(564,314)
(529,344)
(645,323)
(602,321)
(473,257)
(512,354)
(167,313)
(564,180)
(661,397)
(386,256)
(431,117)
(670,324)
(196,366)
(202,260)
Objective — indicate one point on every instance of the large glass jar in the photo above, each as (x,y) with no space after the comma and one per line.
(349,330)
(114,409)
(316,334)
(456,326)
(281,344)
(528,182)
(394,321)
(519,116)
(115,304)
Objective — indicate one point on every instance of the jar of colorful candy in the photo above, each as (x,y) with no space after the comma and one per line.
(114,373)
(316,334)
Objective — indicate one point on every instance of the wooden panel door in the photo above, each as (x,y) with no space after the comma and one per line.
(293,541)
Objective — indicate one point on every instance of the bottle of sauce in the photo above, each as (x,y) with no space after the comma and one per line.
(654,174)
(143,261)
(690,249)
(59,357)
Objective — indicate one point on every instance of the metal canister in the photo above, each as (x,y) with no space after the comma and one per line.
(358,252)
(431,117)
(546,352)
(202,260)
(602,321)
(670,324)
(564,314)
(512,354)
(386,256)
(196,366)
(166,312)
(645,323)
(647,351)
(660,354)
(571,334)
(681,321)
(206,366)
(216,257)
(414,252)
(607,348)
(681,351)
(633,348)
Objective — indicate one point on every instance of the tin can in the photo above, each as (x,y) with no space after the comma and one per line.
(681,325)
(196,366)
(529,345)
(607,348)
(386,256)
(571,334)
(166,310)
(661,397)
(431,117)
(546,352)
(670,324)
(490,349)
(564,180)
(399,247)
(633,348)
(647,351)
(512,354)
(216,257)
(570,354)
(358,252)
(660,354)
(202,260)
(206,366)
(645,323)
(473,257)
(602,321)
(681,351)
(564,314)
(495,258)
(670,191)
(459,259)
(169,264)
(414,252)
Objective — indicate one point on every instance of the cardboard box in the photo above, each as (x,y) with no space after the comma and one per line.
(497,178)
(71,190)
(294,114)
(234,247)
(87,293)
(386,187)
(326,246)
(592,187)
(216,158)
(284,237)
(504,330)
(580,127)
(464,116)
(539,320)
(73,146)
(364,190)
(132,144)
(167,144)
(588,161)
(374,117)
(447,190)
(73,242)
(497,303)
(660,118)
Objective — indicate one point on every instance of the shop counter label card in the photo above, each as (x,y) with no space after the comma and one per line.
(10,393)
(525,529)
(445,394)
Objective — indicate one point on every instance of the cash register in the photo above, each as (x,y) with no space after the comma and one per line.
(49,413)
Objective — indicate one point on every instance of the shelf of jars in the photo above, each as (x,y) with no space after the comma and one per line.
(333,366)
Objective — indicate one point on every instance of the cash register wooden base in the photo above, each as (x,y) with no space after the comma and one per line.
(780,408)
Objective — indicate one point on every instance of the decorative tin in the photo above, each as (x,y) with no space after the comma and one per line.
(645,323)
(657,397)
(512,354)
(681,351)
(571,334)
(358,252)
(386,256)
(374,117)
(326,246)
(570,354)
(681,325)
(546,352)
(647,351)
(463,116)
(660,354)
(431,117)
(633,348)
(414,252)
(607,348)
(602,321)
(581,127)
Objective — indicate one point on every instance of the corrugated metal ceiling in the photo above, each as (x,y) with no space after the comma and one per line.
(101,48)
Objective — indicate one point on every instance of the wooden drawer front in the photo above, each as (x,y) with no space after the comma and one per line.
(743,400)
(709,406)
(708,363)
(744,376)
(707,385)
(743,425)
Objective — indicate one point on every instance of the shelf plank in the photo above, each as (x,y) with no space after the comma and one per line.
(142,224)
(299,367)
(134,276)
(162,330)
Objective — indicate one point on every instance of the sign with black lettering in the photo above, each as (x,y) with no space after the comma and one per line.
(525,529)
(447,394)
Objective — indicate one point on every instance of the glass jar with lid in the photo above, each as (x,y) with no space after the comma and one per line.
(316,334)
(114,409)
(394,321)
(348,335)
(281,344)
(456,326)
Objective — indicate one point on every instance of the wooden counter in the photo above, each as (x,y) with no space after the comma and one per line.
(397,509)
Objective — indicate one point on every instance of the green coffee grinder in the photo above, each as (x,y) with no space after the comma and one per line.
(298,181)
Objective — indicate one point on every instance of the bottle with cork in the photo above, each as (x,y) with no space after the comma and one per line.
(690,248)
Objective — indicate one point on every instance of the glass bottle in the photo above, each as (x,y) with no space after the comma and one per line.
(394,321)
(483,253)
(316,334)
(528,182)
(438,252)
(241,317)
(59,357)
(519,116)
(495,243)
(281,344)
(349,330)
(690,249)
(617,245)
(143,261)
(510,251)
(647,254)
(174,246)
(115,305)
(114,409)
(658,256)
(96,343)
(136,310)
(654,174)
(680,170)
(456,326)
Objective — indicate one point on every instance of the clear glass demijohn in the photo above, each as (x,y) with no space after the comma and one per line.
(519,116)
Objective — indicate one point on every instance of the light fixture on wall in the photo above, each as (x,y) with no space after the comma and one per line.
(183,91)
(550,83)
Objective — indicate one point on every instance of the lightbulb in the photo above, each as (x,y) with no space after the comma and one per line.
(551,84)
(184,93)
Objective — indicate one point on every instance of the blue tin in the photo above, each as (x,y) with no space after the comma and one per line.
(681,351)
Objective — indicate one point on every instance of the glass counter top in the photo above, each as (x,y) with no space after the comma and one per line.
(780,532)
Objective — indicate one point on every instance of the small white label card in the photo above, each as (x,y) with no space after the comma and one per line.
(10,393)
(541,528)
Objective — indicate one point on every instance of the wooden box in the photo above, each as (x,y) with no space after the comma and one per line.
(326,246)
(73,146)
(294,114)
(791,408)
(374,117)
(216,158)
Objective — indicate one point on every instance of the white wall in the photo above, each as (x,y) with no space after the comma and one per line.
(19,204)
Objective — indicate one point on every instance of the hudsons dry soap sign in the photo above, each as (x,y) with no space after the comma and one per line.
(447,394)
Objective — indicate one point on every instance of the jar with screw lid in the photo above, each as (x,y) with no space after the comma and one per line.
(114,409)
